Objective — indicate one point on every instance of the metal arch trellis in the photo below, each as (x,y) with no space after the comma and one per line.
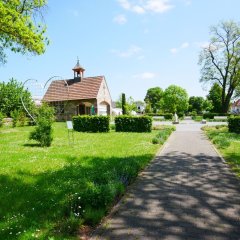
(21,97)
(50,79)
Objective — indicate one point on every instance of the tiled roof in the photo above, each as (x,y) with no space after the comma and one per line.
(236,104)
(87,88)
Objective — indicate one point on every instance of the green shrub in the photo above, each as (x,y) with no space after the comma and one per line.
(87,123)
(181,115)
(43,131)
(168,116)
(15,116)
(155,140)
(112,127)
(22,119)
(133,124)
(234,124)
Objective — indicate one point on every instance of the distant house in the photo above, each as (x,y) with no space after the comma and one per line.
(140,106)
(235,107)
(79,95)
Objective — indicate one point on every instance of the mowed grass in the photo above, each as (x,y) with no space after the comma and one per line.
(47,193)
(227,143)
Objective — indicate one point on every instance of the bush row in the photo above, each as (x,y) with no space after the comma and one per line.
(167,116)
(212,115)
(133,124)
(85,123)
(234,124)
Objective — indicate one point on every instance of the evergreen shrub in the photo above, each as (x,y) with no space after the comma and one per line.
(43,131)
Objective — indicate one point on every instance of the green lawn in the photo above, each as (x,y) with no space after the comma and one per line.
(46,193)
(227,143)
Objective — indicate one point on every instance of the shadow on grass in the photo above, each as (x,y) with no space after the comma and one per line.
(31,145)
(54,202)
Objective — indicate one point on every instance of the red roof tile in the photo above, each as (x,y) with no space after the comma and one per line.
(87,88)
(237,103)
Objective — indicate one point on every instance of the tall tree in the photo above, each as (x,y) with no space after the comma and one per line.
(215,96)
(153,97)
(196,104)
(10,97)
(124,108)
(20,27)
(220,60)
(175,99)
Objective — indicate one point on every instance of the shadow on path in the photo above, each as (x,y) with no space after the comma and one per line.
(182,195)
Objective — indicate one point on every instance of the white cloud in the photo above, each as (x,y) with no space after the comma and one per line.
(125,4)
(145,75)
(130,52)
(120,19)
(188,2)
(185,45)
(138,9)
(143,6)
(173,50)
(159,6)
(202,44)
(182,46)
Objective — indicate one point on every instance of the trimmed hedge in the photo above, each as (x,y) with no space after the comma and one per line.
(212,115)
(234,124)
(85,123)
(133,124)
(167,116)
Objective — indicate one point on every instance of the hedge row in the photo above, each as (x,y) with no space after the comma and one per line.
(212,115)
(133,124)
(234,124)
(167,116)
(85,123)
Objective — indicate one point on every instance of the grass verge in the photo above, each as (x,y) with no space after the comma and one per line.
(47,193)
(227,143)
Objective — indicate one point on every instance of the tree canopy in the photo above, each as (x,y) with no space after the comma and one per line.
(220,60)
(129,104)
(175,99)
(196,104)
(199,104)
(153,98)
(10,97)
(214,96)
(20,28)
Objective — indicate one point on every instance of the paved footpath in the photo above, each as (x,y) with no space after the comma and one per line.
(186,193)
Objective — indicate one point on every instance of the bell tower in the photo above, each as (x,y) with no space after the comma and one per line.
(78,71)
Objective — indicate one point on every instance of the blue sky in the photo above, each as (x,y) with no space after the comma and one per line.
(135,44)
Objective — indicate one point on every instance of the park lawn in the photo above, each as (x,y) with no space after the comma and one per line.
(47,193)
(227,143)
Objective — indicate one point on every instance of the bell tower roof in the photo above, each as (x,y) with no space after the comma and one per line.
(78,71)
(78,66)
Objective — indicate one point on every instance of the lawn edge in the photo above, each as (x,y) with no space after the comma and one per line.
(105,221)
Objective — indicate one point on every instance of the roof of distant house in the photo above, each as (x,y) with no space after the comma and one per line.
(86,88)
(236,104)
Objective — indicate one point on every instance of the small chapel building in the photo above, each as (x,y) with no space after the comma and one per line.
(79,95)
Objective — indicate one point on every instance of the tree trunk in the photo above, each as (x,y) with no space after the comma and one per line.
(225,105)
